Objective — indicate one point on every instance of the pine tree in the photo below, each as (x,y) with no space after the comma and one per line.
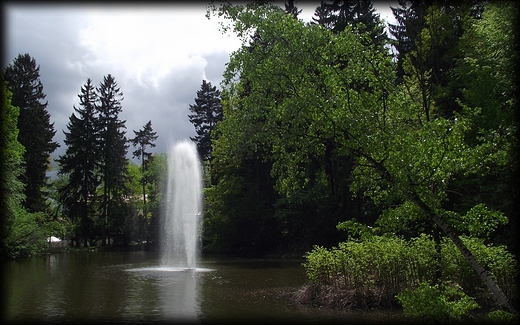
(290,8)
(144,138)
(36,130)
(207,112)
(81,159)
(113,150)
(360,14)
(410,22)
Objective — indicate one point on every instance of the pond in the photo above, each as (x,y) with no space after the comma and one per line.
(128,286)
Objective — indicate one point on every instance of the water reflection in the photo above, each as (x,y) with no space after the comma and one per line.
(130,287)
(177,290)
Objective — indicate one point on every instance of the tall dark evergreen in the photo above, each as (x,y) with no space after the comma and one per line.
(290,8)
(114,148)
(410,22)
(336,15)
(207,112)
(144,138)
(81,160)
(427,36)
(36,130)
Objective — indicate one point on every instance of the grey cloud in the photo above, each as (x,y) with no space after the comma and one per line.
(51,37)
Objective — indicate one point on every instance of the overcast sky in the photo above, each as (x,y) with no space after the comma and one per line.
(158,54)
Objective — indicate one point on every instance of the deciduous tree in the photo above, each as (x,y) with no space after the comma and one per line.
(403,155)
(11,155)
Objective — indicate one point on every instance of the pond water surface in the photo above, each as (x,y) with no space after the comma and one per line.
(131,287)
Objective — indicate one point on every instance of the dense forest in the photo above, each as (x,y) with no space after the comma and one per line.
(323,134)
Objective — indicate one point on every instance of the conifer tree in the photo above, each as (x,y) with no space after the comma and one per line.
(207,112)
(114,147)
(144,138)
(360,14)
(36,130)
(410,22)
(290,8)
(81,159)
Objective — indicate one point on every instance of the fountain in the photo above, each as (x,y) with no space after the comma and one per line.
(183,207)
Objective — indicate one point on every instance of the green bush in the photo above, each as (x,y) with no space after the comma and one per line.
(501,316)
(437,303)
(26,236)
(390,265)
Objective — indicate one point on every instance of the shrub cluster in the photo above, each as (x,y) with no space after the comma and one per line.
(390,265)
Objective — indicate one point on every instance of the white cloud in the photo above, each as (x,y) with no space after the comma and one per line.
(158,54)
(149,43)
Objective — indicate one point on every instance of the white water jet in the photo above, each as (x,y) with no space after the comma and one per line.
(183,208)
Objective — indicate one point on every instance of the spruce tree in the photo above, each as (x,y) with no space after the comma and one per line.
(36,130)
(81,160)
(144,138)
(290,8)
(410,22)
(114,148)
(336,15)
(207,112)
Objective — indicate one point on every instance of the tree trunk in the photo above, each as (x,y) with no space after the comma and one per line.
(484,275)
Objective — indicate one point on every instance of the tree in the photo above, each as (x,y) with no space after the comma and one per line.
(113,152)
(158,172)
(11,188)
(427,39)
(144,138)
(36,130)
(486,73)
(290,8)
(207,112)
(82,160)
(403,158)
(361,15)
(410,22)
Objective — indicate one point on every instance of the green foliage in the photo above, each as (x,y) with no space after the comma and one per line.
(144,138)
(501,317)
(393,265)
(36,130)
(325,112)
(239,217)
(479,221)
(11,188)
(361,15)
(436,303)
(501,265)
(133,184)
(486,72)
(26,235)
(356,229)
(207,112)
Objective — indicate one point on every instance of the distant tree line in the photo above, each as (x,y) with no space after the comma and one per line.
(94,200)
(99,196)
